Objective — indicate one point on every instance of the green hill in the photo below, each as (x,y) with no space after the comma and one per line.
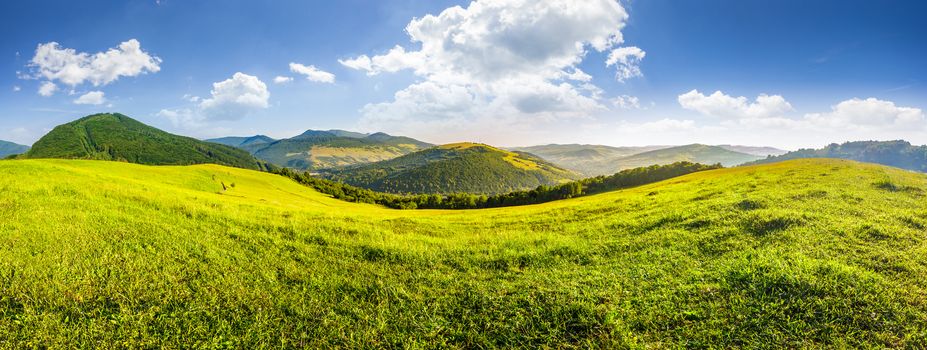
(590,160)
(898,153)
(800,254)
(8,148)
(695,153)
(313,149)
(118,137)
(461,167)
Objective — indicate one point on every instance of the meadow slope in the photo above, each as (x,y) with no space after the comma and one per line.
(806,253)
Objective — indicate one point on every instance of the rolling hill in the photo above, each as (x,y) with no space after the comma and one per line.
(8,148)
(314,149)
(810,253)
(117,137)
(898,153)
(460,167)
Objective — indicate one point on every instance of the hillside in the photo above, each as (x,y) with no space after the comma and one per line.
(8,148)
(898,153)
(118,137)
(313,149)
(461,167)
(809,253)
(695,153)
(590,160)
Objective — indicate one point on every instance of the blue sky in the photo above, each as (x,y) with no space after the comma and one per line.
(787,73)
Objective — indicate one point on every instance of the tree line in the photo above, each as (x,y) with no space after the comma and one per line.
(541,194)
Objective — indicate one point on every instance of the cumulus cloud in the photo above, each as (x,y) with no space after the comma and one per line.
(282,80)
(509,60)
(721,105)
(47,88)
(91,98)
(312,73)
(627,60)
(69,67)
(230,99)
(868,114)
(16,88)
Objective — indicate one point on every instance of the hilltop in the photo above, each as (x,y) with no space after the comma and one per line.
(459,167)
(810,253)
(8,148)
(113,136)
(897,153)
(314,149)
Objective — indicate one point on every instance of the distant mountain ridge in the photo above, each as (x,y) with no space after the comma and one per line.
(591,160)
(897,153)
(760,151)
(595,160)
(318,149)
(696,153)
(456,168)
(9,148)
(113,136)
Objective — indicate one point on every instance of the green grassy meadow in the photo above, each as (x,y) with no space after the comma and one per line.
(808,253)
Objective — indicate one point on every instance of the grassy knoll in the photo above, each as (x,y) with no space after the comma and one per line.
(806,253)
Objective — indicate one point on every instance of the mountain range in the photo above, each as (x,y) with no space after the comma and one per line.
(315,149)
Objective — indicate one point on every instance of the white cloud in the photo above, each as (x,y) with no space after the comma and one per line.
(501,60)
(627,60)
(282,80)
(91,98)
(47,88)
(16,88)
(626,102)
(361,62)
(69,67)
(312,73)
(230,99)
(869,114)
(721,105)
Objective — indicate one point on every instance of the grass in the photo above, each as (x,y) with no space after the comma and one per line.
(800,254)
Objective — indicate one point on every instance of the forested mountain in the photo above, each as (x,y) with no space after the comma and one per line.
(453,168)
(898,153)
(316,149)
(117,137)
(590,160)
(8,148)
